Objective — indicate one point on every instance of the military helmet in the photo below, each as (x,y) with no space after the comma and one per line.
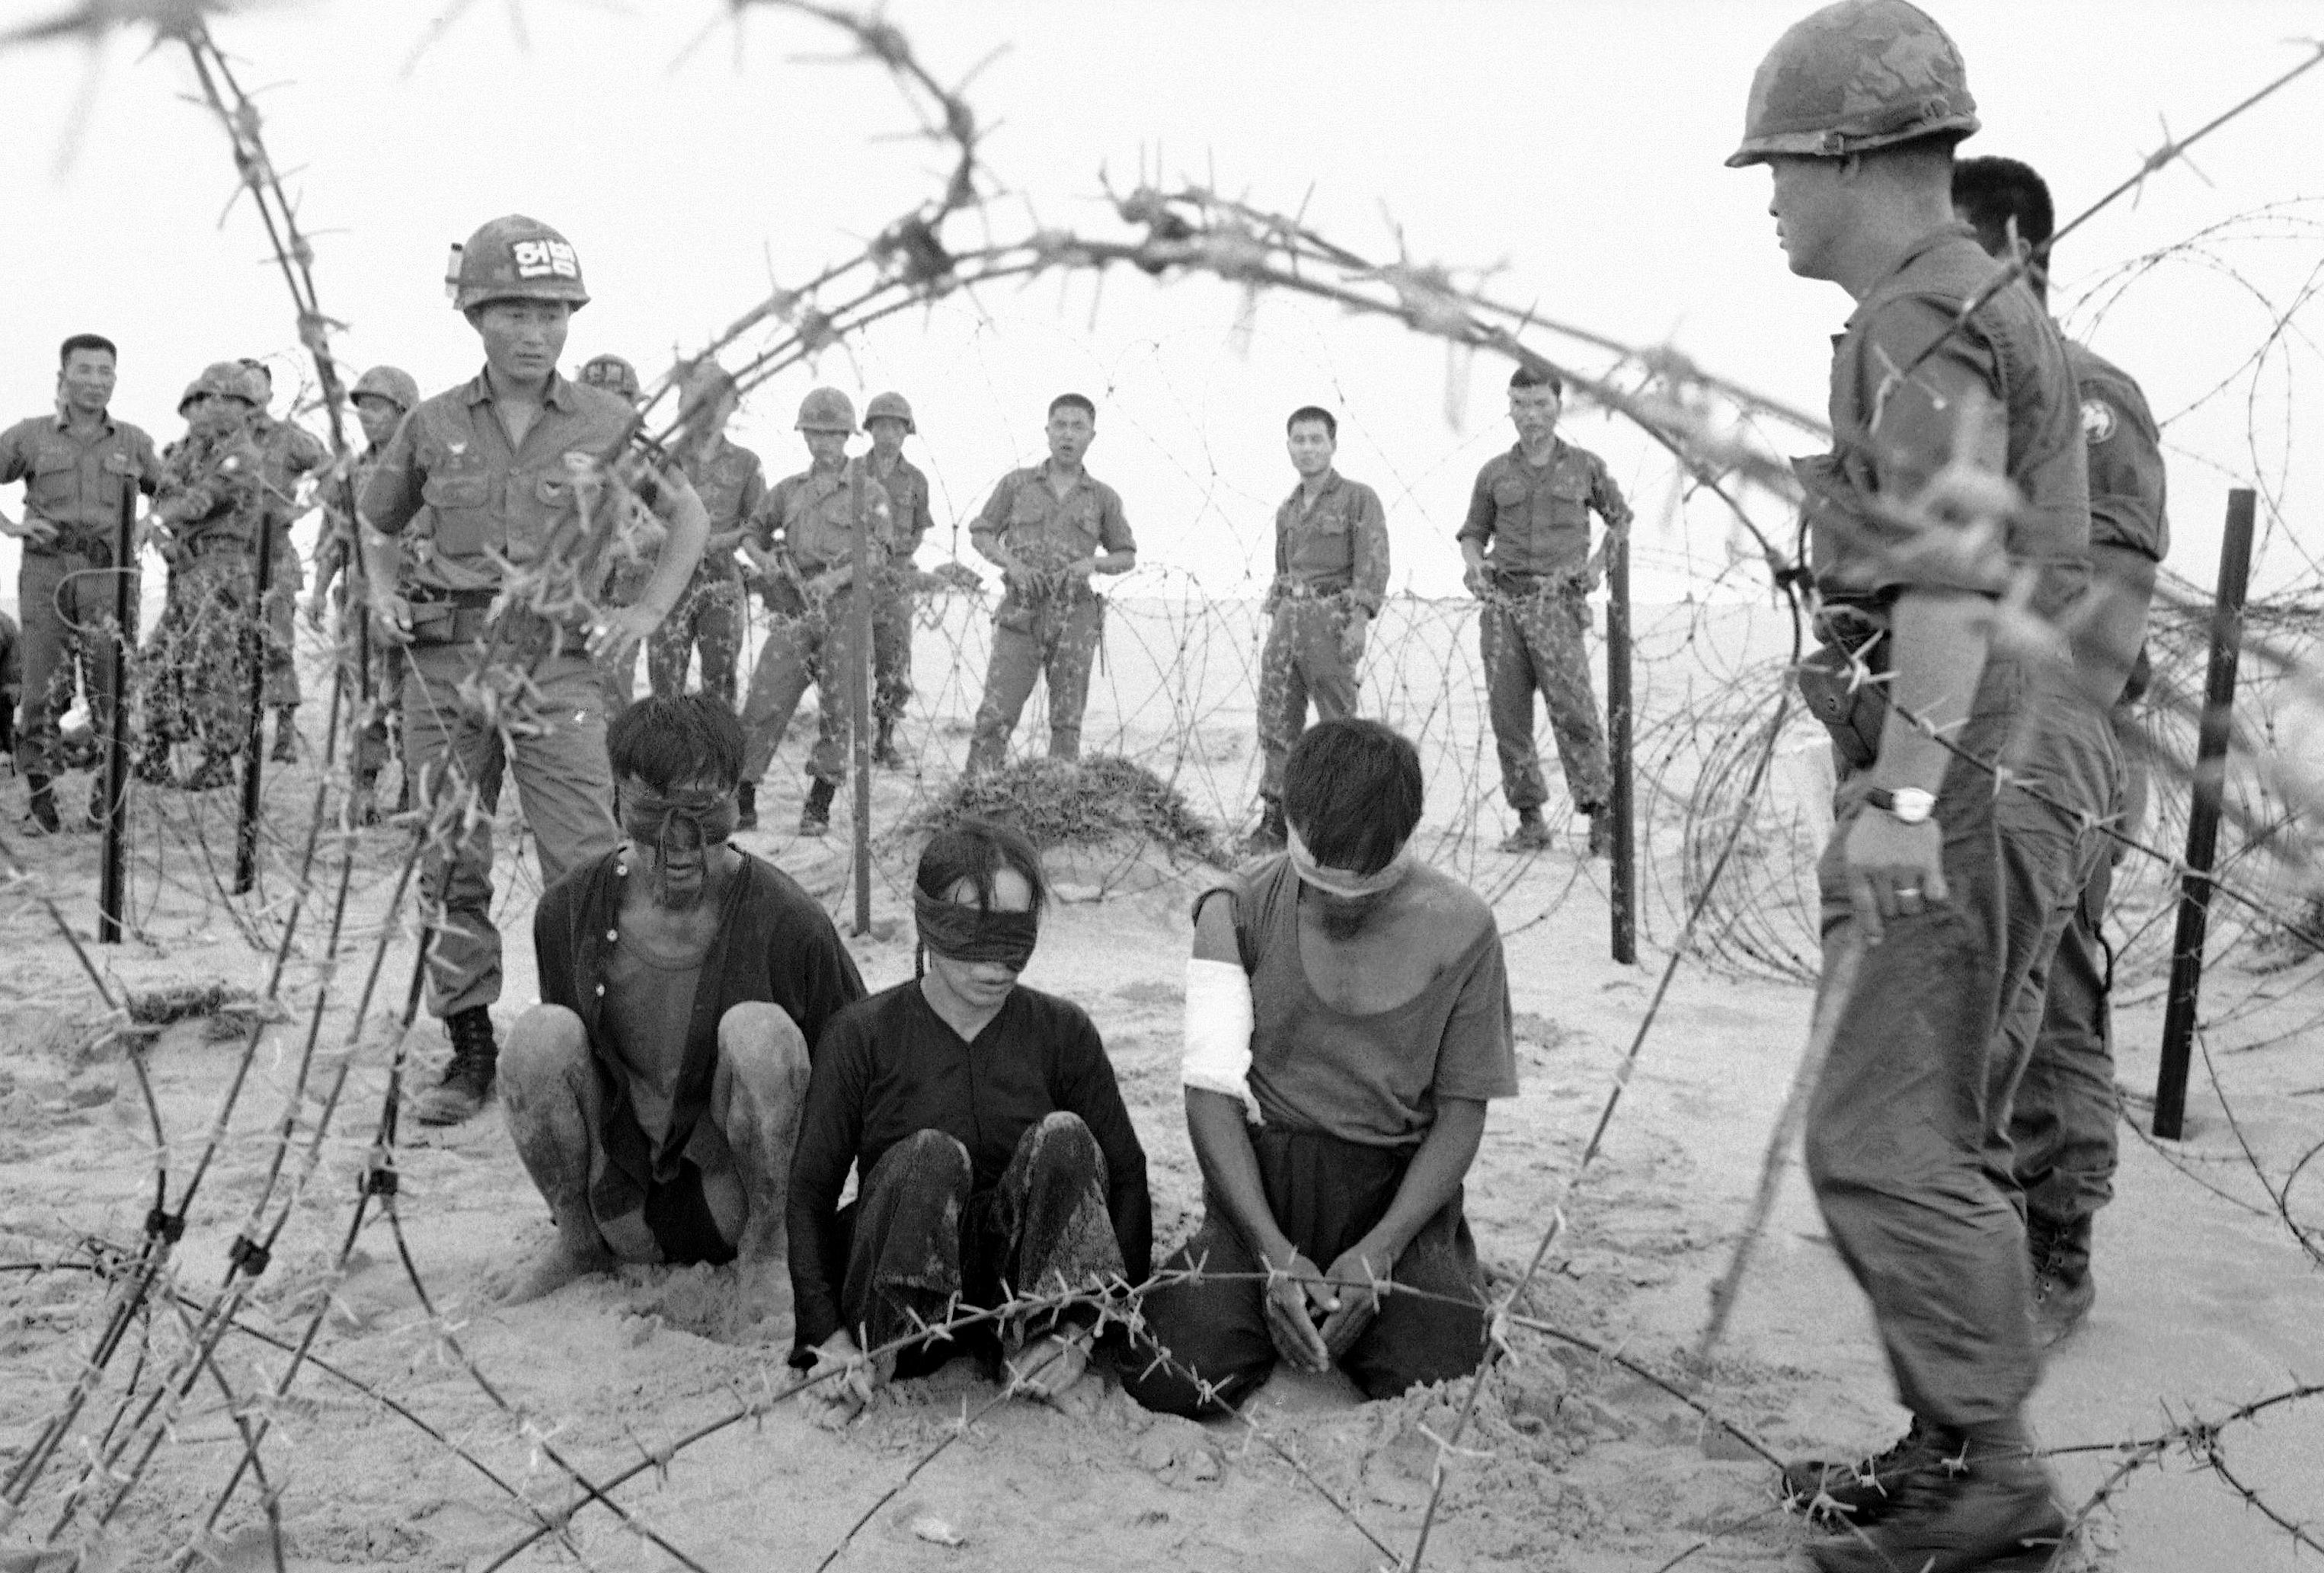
(826,409)
(613,374)
(227,379)
(888,406)
(392,384)
(1857,75)
(514,258)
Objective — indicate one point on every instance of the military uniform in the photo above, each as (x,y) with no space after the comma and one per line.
(451,485)
(709,615)
(1533,522)
(1054,631)
(1331,560)
(198,664)
(811,640)
(64,590)
(338,563)
(291,454)
(891,615)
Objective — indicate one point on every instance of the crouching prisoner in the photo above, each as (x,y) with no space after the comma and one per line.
(654,1093)
(1347,1018)
(994,1158)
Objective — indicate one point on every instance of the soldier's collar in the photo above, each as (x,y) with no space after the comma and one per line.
(104,418)
(1942,234)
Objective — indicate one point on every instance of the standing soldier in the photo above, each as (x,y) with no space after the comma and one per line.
(889,419)
(206,520)
(511,472)
(1331,574)
(732,484)
(813,637)
(291,453)
(1049,528)
(1525,544)
(1958,479)
(628,570)
(383,397)
(74,464)
(2062,1120)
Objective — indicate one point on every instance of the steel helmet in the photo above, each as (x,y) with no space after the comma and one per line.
(613,374)
(228,379)
(826,409)
(392,384)
(888,406)
(514,258)
(1857,75)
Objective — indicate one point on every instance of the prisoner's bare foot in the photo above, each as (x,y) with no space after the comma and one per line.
(545,1271)
(1052,1368)
(763,1311)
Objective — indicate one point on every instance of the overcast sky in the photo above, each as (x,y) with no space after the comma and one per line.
(1576,147)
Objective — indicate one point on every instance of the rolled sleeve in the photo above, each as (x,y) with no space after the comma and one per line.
(394,492)
(1112,523)
(1483,509)
(993,522)
(1606,496)
(1370,587)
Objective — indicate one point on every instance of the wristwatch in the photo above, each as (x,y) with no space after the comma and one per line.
(1907,804)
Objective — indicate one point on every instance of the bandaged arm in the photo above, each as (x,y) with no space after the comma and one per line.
(1219,1018)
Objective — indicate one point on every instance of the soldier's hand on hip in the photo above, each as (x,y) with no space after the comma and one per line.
(1893,869)
(34,529)
(391,618)
(620,631)
(1478,580)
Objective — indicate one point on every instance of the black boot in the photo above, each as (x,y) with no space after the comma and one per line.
(1531,835)
(41,813)
(815,817)
(746,806)
(883,748)
(467,1081)
(286,735)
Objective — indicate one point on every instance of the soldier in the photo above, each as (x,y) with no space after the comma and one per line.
(732,484)
(1958,478)
(1525,544)
(889,419)
(813,638)
(1049,528)
(74,464)
(2062,1120)
(291,451)
(1331,573)
(383,397)
(205,520)
(629,571)
(501,469)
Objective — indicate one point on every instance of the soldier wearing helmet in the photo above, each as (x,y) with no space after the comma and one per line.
(614,375)
(732,484)
(802,540)
(205,520)
(77,463)
(888,420)
(1958,475)
(381,398)
(1048,527)
(291,453)
(504,483)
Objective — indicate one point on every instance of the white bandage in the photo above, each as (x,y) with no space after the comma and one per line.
(1218,1033)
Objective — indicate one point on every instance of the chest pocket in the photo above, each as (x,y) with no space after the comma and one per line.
(1569,498)
(461,502)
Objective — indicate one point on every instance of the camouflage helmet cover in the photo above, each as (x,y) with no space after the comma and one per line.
(392,384)
(888,406)
(826,409)
(227,379)
(515,258)
(1857,75)
(613,374)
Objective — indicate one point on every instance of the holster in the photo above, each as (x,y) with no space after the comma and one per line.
(1834,683)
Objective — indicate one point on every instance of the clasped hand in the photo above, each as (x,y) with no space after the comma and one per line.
(1314,1317)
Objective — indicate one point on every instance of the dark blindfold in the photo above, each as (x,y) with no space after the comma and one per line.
(970,934)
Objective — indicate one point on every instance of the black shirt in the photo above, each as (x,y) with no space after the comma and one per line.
(889,1066)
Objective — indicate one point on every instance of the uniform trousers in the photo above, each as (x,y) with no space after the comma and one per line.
(286,577)
(1302,659)
(805,645)
(1536,642)
(199,663)
(1054,637)
(709,618)
(65,599)
(891,650)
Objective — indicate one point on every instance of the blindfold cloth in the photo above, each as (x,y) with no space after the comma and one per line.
(663,820)
(971,934)
(1338,881)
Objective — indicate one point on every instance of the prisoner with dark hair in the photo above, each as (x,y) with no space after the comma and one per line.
(991,1148)
(1347,1020)
(1330,575)
(654,1093)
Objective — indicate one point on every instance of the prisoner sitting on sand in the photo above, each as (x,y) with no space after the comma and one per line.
(992,1152)
(1347,1018)
(655,1092)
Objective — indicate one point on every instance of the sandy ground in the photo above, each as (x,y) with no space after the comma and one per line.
(1572,1463)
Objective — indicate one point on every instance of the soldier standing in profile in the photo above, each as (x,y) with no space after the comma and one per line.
(75,464)
(802,543)
(1331,574)
(1526,548)
(291,453)
(888,420)
(509,472)
(729,480)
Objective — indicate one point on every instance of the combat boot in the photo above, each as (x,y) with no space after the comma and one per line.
(286,735)
(1531,835)
(1989,1509)
(746,806)
(883,748)
(216,770)
(2064,1289)
(814,815)
(1269,837)
(1861,1491)
(467,1084)
(41,812)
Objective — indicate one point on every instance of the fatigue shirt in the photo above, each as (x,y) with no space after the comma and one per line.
(731,484)
(2123,451)
(451,457)
(1893,436)
(1339,542)
(1536,520)
(1046,530)
(814,514)
(212,492)
(77,485)
(291,451)
(908,492)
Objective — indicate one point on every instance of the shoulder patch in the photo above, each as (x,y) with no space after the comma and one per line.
(2098,421)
